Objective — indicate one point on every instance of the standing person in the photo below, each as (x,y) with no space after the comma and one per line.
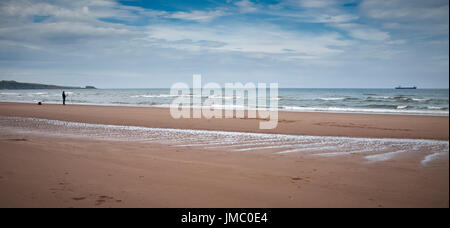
(64,98)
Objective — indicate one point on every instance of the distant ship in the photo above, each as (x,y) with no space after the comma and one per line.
(411,87)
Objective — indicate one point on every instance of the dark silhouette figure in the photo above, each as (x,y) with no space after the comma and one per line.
(64,97)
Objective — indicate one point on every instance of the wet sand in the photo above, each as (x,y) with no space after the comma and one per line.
(295,123)
(60,171)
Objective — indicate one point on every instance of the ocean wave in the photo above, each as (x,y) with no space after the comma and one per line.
(218,97)
(158,96)
(380,106)
(400,99)
(273,98)
(338,99)
(9,94)
(420,99)
(369,98)
(436,108)
(170,96)
(144,96)
(407,99)
(223,97)
(40,93)
(391,109)
(332,98)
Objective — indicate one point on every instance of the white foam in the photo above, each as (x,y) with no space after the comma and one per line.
(332,154)
(384,156)
(309,149)
(434,108)
(420,99)
(267,147)
(38,93)
(247,143)
(332,98)
(431,157)
(9,94)
(399,110)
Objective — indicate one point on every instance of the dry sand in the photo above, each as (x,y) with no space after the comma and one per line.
(44,171)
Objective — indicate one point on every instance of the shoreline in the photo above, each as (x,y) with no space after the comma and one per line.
(295,110)
(290,123)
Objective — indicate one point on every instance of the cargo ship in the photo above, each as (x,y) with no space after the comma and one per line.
(410,87)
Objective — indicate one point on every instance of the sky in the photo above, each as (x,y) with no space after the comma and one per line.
(296,43)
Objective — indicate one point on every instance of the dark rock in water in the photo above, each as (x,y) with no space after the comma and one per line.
(39,103)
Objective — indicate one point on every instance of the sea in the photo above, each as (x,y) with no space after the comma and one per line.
(389,101)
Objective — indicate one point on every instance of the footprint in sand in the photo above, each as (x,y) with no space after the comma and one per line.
(286,121)
(106,199)
(294,180)
(17,140)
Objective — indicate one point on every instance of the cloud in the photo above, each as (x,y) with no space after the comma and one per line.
(103,39)
(313,11)
(363,32)
(406,10)
(257,39)
(246,6)
(80,11)
(340,18)
(333,14)
(316,3)
(425,17)
(196,15)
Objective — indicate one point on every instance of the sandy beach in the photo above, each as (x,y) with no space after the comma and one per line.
(41,166)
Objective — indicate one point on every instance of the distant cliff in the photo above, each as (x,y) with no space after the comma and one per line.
(20,85)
